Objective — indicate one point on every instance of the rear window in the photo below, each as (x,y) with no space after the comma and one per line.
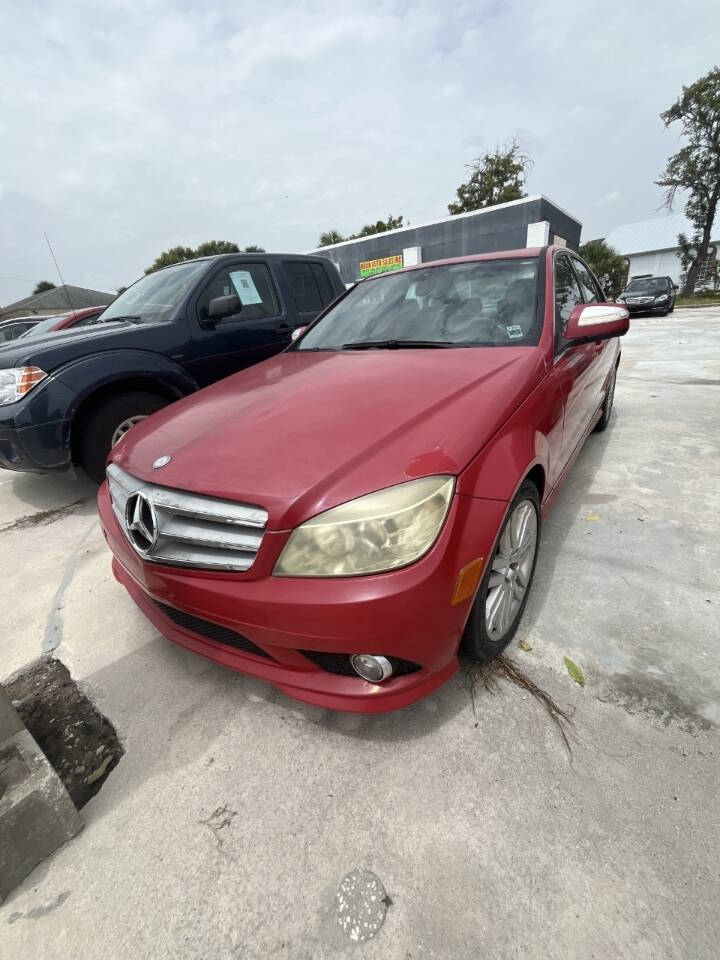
(310,285)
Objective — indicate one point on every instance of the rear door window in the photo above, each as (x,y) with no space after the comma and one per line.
(310,285)
(324,286)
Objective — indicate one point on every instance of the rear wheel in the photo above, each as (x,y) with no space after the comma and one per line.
(505,586)
(109,424)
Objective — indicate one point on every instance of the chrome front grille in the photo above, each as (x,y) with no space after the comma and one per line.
(187,529)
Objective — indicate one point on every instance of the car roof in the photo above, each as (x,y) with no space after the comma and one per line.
(30,319)
(220,257)
(84,311)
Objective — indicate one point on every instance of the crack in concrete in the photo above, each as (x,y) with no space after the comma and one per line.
(41,911)
(45,516)
(54,626)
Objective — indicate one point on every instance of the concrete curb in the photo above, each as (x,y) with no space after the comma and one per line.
(36,813)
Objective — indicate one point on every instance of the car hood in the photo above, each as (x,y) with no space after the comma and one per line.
(305,431)
(58,346)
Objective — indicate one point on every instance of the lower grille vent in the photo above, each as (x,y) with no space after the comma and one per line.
(209,630)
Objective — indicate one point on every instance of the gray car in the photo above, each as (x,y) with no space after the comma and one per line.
(15,327)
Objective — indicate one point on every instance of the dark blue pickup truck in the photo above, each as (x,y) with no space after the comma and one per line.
(69,396)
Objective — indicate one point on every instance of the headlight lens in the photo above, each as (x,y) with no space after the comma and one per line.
(379,532)
(662,298)
(17,381)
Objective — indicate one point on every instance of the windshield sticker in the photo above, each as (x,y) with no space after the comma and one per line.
(515,332)
(246,289)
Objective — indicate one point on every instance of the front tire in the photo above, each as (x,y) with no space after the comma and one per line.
(108,424)
(505,586)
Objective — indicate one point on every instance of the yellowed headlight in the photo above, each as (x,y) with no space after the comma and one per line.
(381,531)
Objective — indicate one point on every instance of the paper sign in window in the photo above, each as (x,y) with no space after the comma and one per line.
(246,289)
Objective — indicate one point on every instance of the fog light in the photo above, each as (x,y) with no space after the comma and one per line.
(371,668)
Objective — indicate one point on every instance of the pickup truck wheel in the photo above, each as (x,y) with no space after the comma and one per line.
(607,405)
(505,586)
(109,424)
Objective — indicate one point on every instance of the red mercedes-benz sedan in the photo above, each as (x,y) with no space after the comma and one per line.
(343,519)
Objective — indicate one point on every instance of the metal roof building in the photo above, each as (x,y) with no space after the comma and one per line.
(530,222)
(651,246)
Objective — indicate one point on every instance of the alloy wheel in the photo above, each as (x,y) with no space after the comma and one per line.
(512,568)
(124,427)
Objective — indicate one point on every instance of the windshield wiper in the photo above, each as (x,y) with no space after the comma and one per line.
(118,319)
(394,344)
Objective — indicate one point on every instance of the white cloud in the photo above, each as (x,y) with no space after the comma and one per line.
(129,127)
(612,196)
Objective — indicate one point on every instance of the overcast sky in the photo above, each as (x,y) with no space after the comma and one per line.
(129,127)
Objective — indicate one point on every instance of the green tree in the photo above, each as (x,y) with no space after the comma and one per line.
(695,168)
(497,177)
(43,286)
(253,248)
(214,247)
(607,265)
(179,254)
(392,223)
(330,237)
(369,230)
(168,257)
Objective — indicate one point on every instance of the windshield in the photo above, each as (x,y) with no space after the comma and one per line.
(488,303)
(156,296)
(483,303)
(43,327)
(648,285)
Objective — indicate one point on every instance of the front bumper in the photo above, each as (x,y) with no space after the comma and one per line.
(406,614)
(41,448)
(647,307)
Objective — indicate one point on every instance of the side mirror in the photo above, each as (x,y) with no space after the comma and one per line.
(597,321)
(675,287)
(221,307)
(297,333)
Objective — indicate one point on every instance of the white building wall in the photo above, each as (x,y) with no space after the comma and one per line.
(659,263)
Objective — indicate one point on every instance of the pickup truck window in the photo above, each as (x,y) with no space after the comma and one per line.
(156,296)
(309,284)
(251,282)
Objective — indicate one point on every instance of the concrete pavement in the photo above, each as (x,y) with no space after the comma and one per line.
(235,813)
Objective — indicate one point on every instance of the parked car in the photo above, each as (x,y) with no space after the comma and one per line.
(66,321)
(650,295)
(15,327)
(67,399)
(340,519)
